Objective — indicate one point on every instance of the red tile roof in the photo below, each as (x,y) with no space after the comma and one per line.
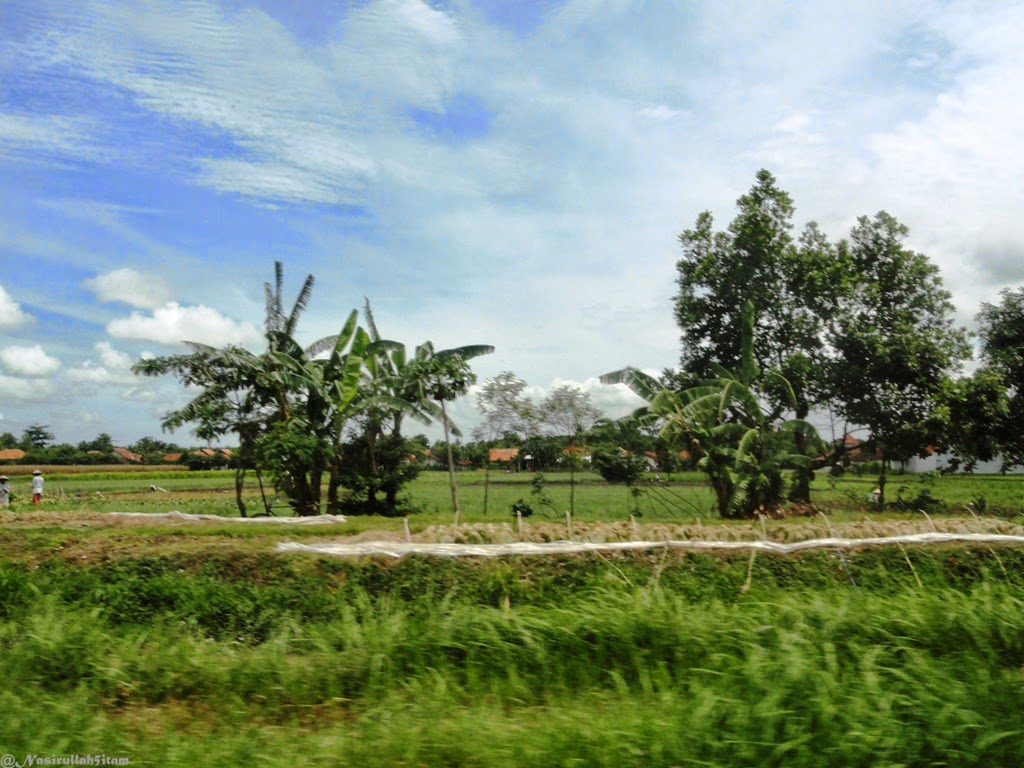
(127,455)
(579,450)
(502,454)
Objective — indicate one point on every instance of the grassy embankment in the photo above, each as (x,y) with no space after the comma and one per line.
(625,661)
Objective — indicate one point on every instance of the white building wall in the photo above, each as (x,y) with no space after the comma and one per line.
(940,461)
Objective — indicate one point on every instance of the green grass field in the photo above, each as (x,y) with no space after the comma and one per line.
(674,497)
(175,644)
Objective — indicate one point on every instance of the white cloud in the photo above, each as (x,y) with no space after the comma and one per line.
(112,358)
(174,324)
(286,109)
(113,368)
(955,170)
(26,390)
(92,373)
(50,134)
(11,314)
(130,287)
(308,124)
(88,417)
(28,361)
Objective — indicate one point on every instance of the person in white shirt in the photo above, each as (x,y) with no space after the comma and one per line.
(37,487)
(5,492)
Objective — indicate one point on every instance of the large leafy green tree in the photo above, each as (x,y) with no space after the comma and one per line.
(997,420)
(974,416)
(320,396)
(794,286)
(894,343)
(225,402)
(399,385)
(863,327)
(377,458)
(36,436)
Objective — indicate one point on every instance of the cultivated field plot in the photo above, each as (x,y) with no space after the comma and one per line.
(172,642)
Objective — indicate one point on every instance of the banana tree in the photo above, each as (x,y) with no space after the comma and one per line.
(722,423)
(376,460)
(441,376)
(286,406)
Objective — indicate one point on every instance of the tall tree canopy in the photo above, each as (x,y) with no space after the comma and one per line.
(1001,331)
(895,341)
(794,286)
(863,325)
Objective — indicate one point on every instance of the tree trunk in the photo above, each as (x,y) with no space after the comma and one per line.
(451,463)
(802,476)
(316,484)
(722,495)
(333,481)
(572,484)
(263,493)
(487,483)
(239,484)
(371,449)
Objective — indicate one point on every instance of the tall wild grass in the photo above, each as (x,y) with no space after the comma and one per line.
(617,662)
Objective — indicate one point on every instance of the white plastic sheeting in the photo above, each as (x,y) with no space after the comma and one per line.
(176,515)
(400,549)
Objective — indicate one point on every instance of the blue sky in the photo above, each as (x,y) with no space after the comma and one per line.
(485,172)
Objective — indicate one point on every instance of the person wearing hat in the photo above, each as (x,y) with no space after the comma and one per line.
(5,492)
(37,487)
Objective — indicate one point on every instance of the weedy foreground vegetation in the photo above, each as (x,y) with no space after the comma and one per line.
(195,644)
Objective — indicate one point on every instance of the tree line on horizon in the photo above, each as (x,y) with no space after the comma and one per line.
(40,447)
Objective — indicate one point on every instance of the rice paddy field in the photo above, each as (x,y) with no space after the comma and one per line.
(165,642)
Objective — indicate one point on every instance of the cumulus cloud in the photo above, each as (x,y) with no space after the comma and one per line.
(88,417)
(113,368)
(130,287)
(25,390)
(174,324)
(112,358)
(28,361)
(11,314)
